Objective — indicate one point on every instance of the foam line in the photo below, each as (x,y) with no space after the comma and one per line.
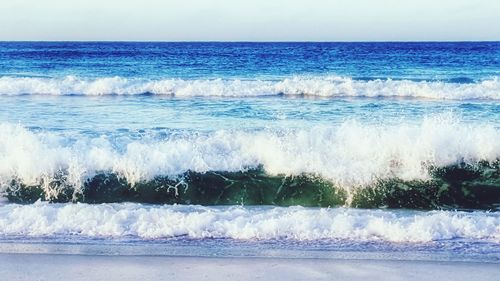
(331,86)
(136,220)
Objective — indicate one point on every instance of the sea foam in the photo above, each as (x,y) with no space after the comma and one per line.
(329,86)
(165,221)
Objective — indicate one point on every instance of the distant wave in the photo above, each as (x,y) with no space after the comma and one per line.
(310,86)
(349,156)
(195,222)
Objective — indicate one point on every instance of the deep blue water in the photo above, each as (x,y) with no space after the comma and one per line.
(461,62)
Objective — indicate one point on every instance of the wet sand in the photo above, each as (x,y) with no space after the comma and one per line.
(54,267)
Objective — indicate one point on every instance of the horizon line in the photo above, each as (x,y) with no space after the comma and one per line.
(256,41)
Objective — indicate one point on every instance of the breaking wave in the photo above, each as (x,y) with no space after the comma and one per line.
(331,86)
(441,161)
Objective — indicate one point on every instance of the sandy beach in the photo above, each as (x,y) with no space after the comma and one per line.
(83,267)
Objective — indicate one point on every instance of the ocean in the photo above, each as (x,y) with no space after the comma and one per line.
(251,149)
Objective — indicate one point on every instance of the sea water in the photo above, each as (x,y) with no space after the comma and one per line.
(301,147)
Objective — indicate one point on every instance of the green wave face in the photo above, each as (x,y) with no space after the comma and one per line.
(454,187)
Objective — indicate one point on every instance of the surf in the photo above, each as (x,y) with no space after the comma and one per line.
(245,223)
(314,86)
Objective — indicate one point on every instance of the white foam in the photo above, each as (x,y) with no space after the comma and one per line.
(331,86)
(350,154)
(119,220)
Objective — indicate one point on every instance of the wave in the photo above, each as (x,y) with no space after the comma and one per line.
(349,157)
(296,223)
(453,187)
(331,86)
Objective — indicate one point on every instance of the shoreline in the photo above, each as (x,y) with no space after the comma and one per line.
(466,251)
(209,260)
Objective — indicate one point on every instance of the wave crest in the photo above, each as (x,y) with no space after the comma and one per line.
(332,86)
(350,155)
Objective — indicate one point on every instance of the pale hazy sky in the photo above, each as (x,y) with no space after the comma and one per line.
(250,20)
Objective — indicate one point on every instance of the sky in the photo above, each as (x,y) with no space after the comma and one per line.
(250,20)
